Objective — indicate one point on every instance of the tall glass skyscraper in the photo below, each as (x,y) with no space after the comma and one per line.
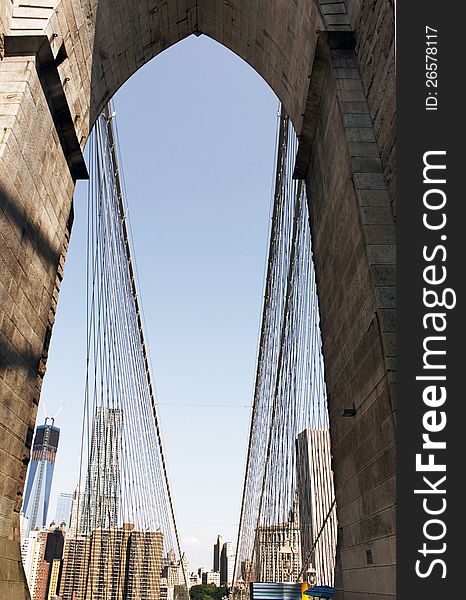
(39,480)
(63,512)
(100,504)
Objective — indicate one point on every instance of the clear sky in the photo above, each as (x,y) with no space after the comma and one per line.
(197,127)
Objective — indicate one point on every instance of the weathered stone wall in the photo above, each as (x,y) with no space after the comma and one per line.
(354,241)
(35,203)
(373,22)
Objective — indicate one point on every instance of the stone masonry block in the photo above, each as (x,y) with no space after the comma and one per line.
(386,297)
(375,215)
(383,234)
(373,197)
(369,180)
(366,164)
(357,120)
(363,149)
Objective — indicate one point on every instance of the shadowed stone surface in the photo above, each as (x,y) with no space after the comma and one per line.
(338,88)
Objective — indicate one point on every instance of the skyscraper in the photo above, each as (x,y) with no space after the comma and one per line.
(122,564)
(75,570)
(64,507)
(224,561)
(144,565)
(217,553)
(317,514)
(272,563)
(39,479)
(100,501)
(227,564)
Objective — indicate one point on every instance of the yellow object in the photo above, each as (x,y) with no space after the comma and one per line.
(304,587)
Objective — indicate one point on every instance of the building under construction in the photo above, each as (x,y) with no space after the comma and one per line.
(40,474)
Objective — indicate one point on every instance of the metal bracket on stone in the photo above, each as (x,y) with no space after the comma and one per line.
(326,41)
(49,77)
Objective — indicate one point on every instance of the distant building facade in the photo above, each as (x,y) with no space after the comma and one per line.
(246,570)
(174,571)
(217,553)
(32,550)
(64,508)
(75,570)
(270,563)
(42,553)
(144,565)
(211,577)
(52,553)
(76,510)
(166,592)
(122,564)
(227,564)
(224,561)
(54,579)
(40,474)
(100,504)
(316,494)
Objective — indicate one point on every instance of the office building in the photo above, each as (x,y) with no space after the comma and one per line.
(175,572)
(75,572)
(32,550)
(144,556)
(217,554)
(224,561)
(316,494)
(63,511)
(41,550)
(100,502)
(54,579)
(227,564)
(166,592)
(211,578)
(51,555)
(40,474)
(122,564)
(277,552)
(172,570)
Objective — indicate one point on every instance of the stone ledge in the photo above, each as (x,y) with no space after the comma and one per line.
(46,65)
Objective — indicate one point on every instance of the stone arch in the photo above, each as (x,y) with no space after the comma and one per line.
(331,63)
(114,38)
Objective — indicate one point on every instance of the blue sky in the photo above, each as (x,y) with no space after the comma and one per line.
(197,127)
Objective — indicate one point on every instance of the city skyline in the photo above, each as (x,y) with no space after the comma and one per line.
(73,517)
